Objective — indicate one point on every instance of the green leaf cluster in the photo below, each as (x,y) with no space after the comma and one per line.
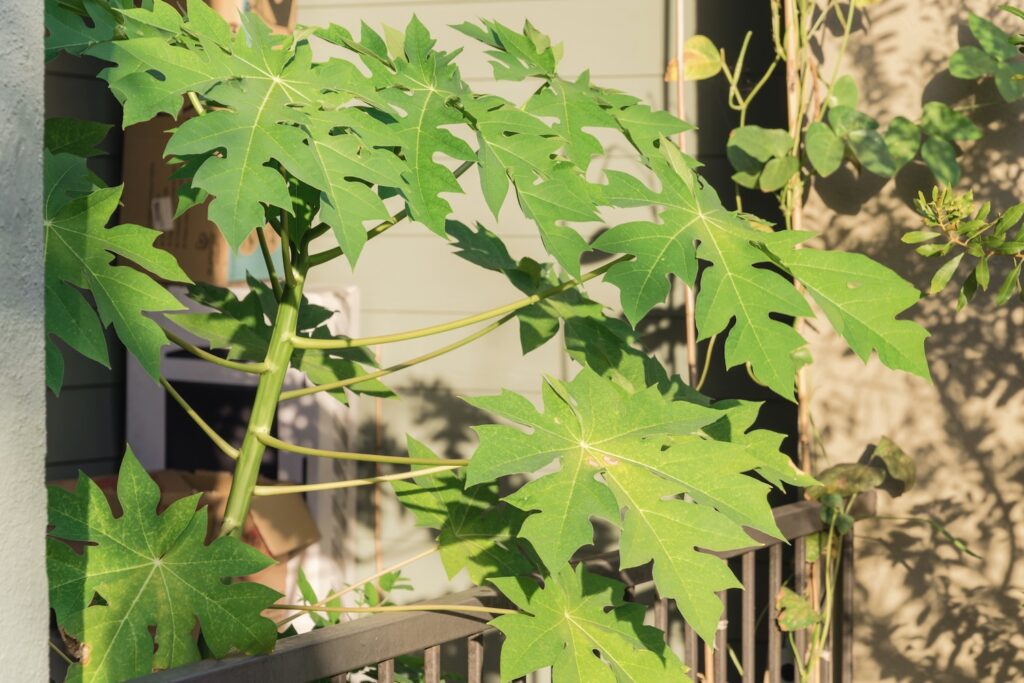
(767,159)
(96,276)
(627,458)
(995,56)
(954,224)
(134,587)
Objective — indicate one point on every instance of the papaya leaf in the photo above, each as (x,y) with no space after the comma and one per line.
(647,452)
(75,32)
(477,533)
(580,625)
(80,252)
(241,327)
(862,299)
(156,577)
(695,225)
(74,136)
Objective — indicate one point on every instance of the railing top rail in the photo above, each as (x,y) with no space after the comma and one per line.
(352,645)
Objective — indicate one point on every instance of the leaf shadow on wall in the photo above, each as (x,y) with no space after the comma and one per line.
(925,612)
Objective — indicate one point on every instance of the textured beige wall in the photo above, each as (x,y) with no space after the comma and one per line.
(925,613)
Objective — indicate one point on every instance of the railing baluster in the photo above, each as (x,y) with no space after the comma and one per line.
(475,659)
(691,656)
(432,664)
(800,586)
(722,642)
(749,617)
(661,615)
(848,586)
(351,646)
(774,634)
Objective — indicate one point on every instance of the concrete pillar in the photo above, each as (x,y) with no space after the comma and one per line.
(24,628)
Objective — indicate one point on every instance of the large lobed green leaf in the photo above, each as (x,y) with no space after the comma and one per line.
(154,576)
(476,532)
(734,289)
(80,253)
(579,624)
(626,457)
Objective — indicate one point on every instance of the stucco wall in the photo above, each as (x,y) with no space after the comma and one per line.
(925,612)
(23,631)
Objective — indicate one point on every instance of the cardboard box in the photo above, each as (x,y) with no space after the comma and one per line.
(279,14)
(278,526)
(150,198)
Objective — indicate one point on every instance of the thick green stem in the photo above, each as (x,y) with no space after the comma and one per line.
(264,408)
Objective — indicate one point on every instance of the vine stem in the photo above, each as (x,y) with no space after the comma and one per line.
(661,613)
(60,653)
(399,608)
(216,438)
(273,442)
(251,368)
(362,582)
(309,343)
(342,383)
(279,490)
(689,293)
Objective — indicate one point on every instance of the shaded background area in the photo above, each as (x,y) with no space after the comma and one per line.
(925,612)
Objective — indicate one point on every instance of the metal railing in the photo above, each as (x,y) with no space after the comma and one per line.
(748,644)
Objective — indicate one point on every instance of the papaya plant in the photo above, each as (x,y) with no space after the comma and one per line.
(340,151)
